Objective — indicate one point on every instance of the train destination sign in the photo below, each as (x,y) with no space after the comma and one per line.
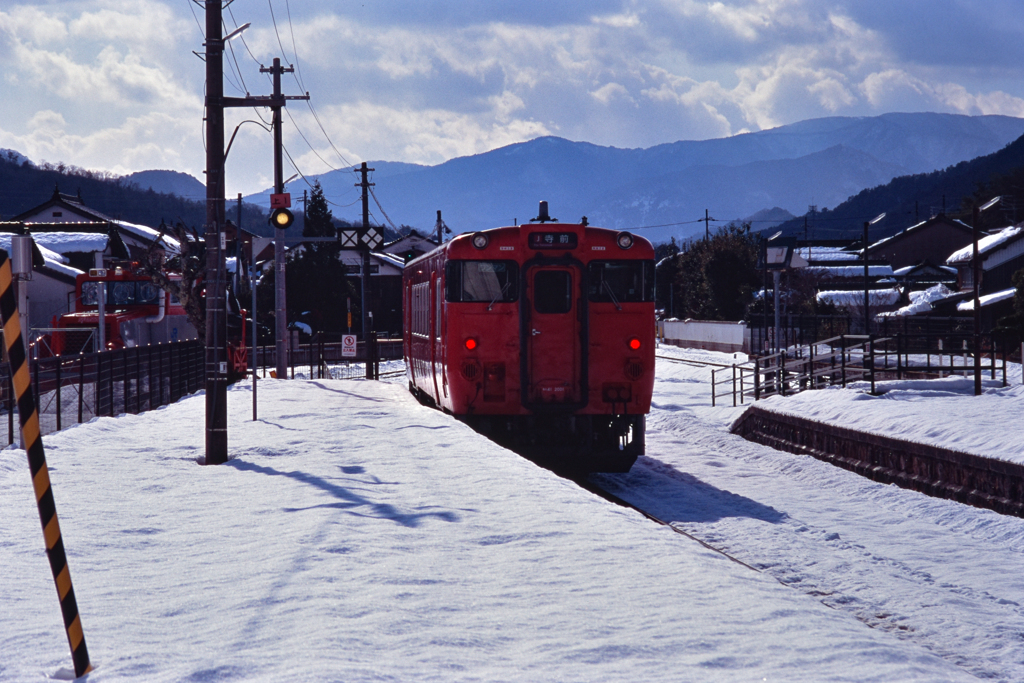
(552,240)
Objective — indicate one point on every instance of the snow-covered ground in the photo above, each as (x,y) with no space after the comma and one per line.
(358,536)
(931,572)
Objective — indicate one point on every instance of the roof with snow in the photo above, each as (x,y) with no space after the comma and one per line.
(986,244)
(987,300)
(917,226)
(65,242)
(876,297)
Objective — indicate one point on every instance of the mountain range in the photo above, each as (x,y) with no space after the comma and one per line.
(665,190)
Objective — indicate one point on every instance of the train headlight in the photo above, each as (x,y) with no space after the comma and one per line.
(480,240)
(634,343)
(624,240)
(470,344)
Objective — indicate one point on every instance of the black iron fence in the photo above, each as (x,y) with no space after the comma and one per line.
(76,388)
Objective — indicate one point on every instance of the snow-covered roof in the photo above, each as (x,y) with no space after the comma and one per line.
(815,254)
(876,297)
(985,244)
(53,260)
(149,234)
(66,242)
(921,302)
(849,271)
(987,300)
(906,270)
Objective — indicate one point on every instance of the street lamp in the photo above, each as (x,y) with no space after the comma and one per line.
(867,312)
(976,277)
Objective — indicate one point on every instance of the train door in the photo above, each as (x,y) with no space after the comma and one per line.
(553,334)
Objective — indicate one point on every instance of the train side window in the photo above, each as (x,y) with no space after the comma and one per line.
(488,281)
(621,281)
(552,291)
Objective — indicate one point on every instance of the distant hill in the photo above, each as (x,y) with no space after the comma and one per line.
(906,200)
(26,186)
(819,162)
(169,182)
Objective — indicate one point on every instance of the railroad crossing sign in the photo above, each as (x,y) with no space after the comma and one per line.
(360,238)
(348,346)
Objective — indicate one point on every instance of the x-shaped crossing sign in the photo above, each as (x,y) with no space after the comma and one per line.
(360,238)
(349,238)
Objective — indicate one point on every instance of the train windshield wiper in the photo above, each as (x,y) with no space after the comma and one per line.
(611,294)
(499,295)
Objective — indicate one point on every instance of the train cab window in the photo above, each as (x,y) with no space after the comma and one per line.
(487,281)
(621,281)
(552,291)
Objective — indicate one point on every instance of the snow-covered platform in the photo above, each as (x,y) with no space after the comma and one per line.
(355,535)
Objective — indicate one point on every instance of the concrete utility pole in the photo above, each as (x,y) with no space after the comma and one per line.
(707,224)
(216,325)
(280,292)
(216,321)
(366,250)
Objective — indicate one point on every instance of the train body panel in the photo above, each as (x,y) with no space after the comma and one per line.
(541,325)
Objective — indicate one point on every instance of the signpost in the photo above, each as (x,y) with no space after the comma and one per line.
(348,346)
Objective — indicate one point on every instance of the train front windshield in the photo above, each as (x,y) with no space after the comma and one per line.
(487,281)
(621,281)
(122,293)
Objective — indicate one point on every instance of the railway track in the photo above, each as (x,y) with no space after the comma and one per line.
(583,483)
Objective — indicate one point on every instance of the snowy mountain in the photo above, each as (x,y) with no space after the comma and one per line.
(817,162)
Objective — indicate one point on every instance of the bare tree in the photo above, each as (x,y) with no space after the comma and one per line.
(182,274)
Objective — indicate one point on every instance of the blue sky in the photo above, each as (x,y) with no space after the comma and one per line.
(114,85)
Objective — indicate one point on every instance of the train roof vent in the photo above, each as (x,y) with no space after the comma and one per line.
(542,215)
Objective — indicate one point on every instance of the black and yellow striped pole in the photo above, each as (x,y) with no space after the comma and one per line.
(29,419)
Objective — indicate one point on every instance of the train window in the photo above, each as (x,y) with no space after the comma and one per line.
(490,281)
(552,291)
(619,281)
(89,293)
(149,293)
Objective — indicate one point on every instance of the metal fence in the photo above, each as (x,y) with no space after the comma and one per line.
(76,388)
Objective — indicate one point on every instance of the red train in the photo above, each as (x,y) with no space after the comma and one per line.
(542,332)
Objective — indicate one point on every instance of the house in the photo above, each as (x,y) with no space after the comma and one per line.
(410,246)
(68,214)
(1001,254)
(932,240)
(51,287)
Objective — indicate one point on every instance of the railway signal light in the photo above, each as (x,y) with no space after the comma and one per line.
(470,344)
(634,343)
(282,218)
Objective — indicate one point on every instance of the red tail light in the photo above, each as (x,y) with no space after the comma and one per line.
(634,343)
(470,344)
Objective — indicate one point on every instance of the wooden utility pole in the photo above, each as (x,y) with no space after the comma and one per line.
(707,223)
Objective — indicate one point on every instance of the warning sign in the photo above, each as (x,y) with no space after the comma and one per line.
(348,346)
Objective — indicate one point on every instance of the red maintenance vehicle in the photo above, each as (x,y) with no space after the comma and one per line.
(135,312)
(541,333)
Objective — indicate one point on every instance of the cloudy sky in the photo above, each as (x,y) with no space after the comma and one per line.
(114,85)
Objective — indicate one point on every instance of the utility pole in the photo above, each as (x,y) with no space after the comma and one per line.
(366,251)
(707,223)
(216,365)
(440,228)
(280,302)
(216,326)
